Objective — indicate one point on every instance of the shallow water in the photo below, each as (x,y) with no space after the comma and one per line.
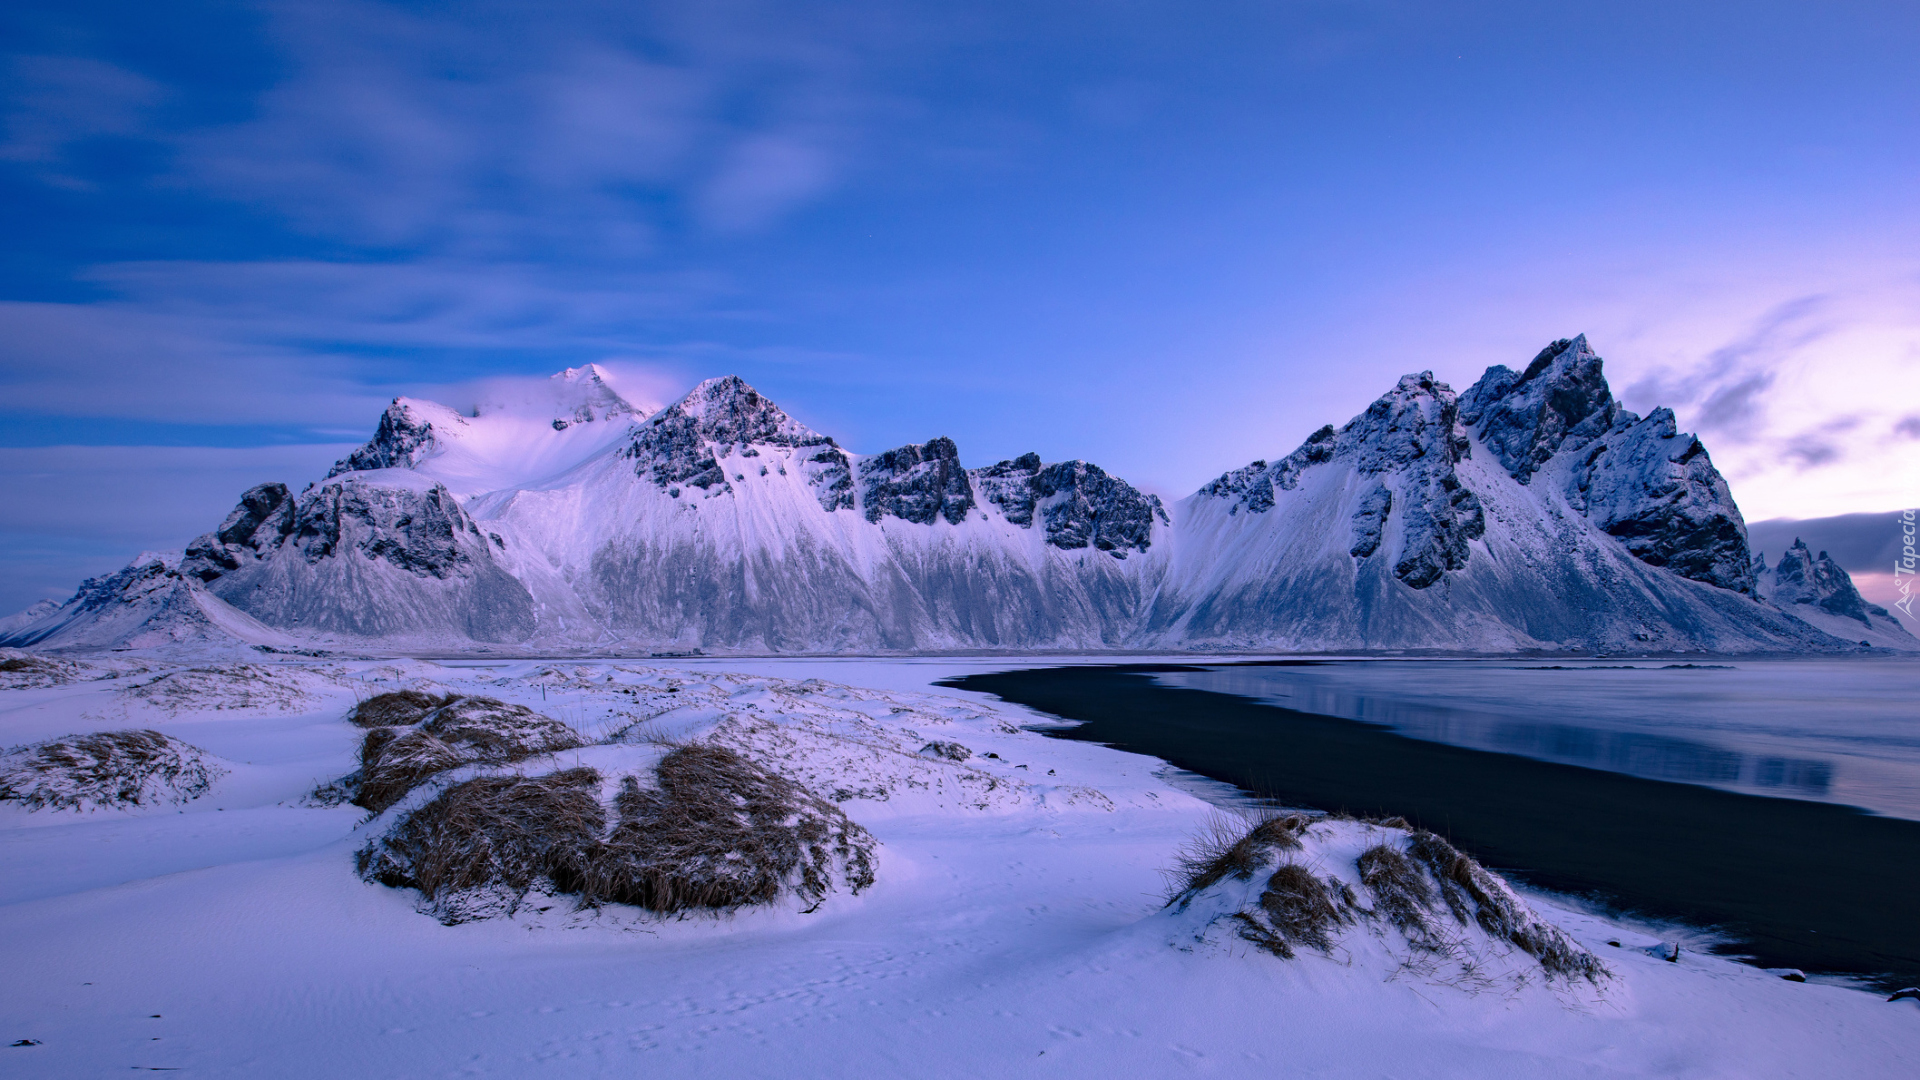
(1843,731)
(1575,786)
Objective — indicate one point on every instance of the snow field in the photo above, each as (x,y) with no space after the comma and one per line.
(1016,926)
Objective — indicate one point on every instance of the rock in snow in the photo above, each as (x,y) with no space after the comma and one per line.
(1533,511)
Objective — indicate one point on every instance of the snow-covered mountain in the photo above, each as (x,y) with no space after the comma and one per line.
(1817,590)
(1531,512)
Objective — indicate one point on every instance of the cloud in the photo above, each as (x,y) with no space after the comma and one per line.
(762,177)
(1735,407)
(100,361)
(56,103)
(648,385)
(1730,385)
(1908,426)
(497,130)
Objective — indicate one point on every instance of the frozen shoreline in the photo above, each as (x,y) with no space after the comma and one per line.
(1022,937)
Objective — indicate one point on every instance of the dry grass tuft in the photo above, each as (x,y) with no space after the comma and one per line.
(108,769)
(496,835)
(1469,888)
(1301,909)
(1413,888)
(25,671)
(1402,893)
(719,832)
(396,708)
(722,832)
(456,731)
(1226,848)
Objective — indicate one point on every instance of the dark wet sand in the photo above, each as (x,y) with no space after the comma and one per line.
(1798,884)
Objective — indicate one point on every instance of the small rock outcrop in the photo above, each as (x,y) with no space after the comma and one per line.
(1009,486)
(1078,503)
(1082,506)
(919,482)
(261,523)
(401,440)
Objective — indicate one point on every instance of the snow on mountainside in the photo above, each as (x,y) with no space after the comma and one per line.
(149,604)
(506,442)
(1818,591)
(1530,512)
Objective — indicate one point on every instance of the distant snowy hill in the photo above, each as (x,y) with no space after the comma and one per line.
(1531,512)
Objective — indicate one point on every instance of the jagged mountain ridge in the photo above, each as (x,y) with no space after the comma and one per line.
(1531,511)
(1817,590)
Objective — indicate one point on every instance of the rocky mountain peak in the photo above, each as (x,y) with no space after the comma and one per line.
(917,482)
(404,437)
(1524,418)
(677,446)
(727,410)
(1805,578)
(583,396)
(1417,419)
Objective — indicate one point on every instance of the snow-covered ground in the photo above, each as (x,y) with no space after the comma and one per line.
(1016,925)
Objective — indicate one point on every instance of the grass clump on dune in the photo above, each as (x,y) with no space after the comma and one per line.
(110,769)
(1471,889)
(714,832)
(450,732)
(397,708)
(1227,848)
(1439,899)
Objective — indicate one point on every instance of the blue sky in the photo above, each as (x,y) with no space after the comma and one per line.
(1164,237)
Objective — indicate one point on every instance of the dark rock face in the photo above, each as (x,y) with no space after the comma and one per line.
(676,447)
(1525,418)
(1411,440)
(1640,480)
(380,560)
(400,442)
(830,472)
(1009,486)
(1412,433)
(1801,578)
(1370,520)
(1656,490)
(1081,506)
(918,483)
(419,532)
(1254,485)
(258,525)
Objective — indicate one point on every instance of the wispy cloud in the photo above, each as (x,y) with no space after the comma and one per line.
(502,130)
(59,103)
(1730,385)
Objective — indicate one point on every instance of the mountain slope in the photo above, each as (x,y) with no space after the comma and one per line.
(1816,590)
(1530,512)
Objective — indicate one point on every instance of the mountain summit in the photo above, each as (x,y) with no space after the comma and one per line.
(1532,511)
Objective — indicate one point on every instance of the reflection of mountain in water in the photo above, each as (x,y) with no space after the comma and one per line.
(1635,753)
(1656,757)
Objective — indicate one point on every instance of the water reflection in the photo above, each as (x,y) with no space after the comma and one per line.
(1569,740)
